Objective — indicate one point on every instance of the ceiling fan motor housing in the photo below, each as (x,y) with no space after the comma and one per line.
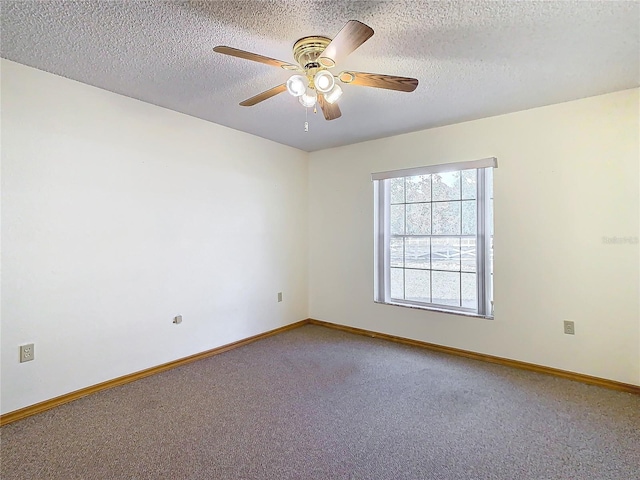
(307,50)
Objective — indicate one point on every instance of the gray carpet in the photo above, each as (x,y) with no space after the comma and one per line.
(315,403)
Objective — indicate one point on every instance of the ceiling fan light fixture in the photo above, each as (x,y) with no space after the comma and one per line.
(307,99)
(333,96)
(317,86)
(324,81)
(297,85)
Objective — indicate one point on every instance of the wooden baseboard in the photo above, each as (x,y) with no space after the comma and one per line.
(83,392)
(69,397)
(578,377)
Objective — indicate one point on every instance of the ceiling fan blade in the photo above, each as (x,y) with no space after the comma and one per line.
(264,95)
(352,35)
(234,52)
(390,82)
(331,111)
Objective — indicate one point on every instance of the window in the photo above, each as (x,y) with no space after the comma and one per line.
(434,237)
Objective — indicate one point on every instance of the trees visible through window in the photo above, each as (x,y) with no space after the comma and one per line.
(434,237)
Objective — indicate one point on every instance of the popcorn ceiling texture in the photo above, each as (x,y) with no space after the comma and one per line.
(473,58)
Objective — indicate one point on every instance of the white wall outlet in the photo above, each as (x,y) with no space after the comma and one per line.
(177,319)
(27,352)
(279,296)
(569,327)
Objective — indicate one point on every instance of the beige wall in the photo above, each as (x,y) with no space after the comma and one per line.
(118,215)
(568,176)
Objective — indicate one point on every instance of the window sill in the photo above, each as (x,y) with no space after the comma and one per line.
(438,310)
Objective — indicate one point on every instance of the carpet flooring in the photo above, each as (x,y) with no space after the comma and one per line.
(315,403)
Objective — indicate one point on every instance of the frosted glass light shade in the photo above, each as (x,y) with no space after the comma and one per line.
(323,81)
(333,95)
(308,100)
(297,85)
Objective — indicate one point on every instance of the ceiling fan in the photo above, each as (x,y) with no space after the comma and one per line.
(313,82)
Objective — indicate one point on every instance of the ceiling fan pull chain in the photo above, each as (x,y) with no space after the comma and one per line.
(306,123)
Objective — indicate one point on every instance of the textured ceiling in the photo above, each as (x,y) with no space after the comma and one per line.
(473,58)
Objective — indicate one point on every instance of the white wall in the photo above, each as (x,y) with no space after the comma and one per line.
(568,176)
(118,215)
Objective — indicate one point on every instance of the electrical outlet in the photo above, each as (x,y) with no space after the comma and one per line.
(279,296)
(27,352)
(569,327)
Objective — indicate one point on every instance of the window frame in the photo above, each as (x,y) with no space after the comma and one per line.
(382,237)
